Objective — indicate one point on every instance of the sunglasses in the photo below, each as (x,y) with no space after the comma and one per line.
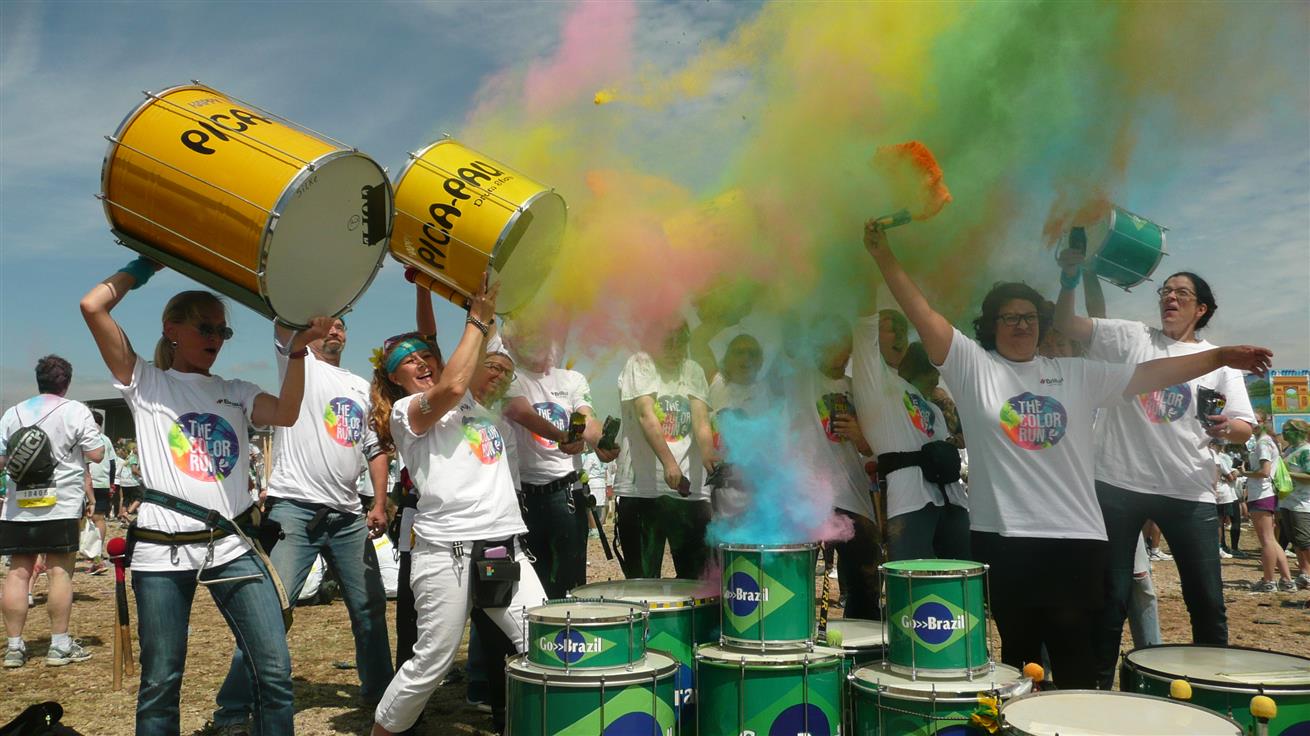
(222,332)
(1013,320)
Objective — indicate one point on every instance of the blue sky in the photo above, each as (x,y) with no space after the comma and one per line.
(391,77)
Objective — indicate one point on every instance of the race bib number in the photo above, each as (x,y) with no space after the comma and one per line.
(35,498)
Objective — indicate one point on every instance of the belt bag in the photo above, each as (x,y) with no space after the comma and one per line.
(939,461)
(494,579)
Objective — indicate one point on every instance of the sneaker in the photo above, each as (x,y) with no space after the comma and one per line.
(15,658)
(1225,554)
(1264,586)
(74,653)
(1303,581)
(480,706)
(98,568)
(833,575)
(1286,586)
(1159,555)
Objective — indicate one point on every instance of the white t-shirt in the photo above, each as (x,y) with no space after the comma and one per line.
(506,429)
(191,434)
(595,470)
(1223,488)
(1258,488)
(1030,439)
(461,473)
(1153,443)
(640,473)
(1298,461)
(320,457)
(100,473)
(72,431)
(127,472)
(554,395)
(750,398)
(837,462)
(895,417)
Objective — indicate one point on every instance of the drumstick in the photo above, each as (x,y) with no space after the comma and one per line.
(117,549)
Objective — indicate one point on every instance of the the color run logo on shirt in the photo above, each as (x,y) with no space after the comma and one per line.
(1034,422)
(483,439)
(555,414)
(674,416)
(344,421)
(204,446)
(920,413)
(1166,405)
(828,405)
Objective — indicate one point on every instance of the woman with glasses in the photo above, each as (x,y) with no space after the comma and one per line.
(1152,451)
(191,429)
(1033,512)
(456,459)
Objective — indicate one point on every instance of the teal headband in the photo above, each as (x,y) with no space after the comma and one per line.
(404,349)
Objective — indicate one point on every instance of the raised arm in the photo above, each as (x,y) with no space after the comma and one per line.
(519,411)
(700,350)
(425,317)
(114,346)
(1067,320)
(934,330)
(458,371)
(284,409)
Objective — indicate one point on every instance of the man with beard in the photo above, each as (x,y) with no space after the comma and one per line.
(312,494)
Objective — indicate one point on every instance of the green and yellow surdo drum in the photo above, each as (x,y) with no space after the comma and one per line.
(585,634)
(751,692)
(887,703)
(634,700)
(935,617)
(768,595)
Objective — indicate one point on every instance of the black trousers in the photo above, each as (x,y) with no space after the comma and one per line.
(857,566)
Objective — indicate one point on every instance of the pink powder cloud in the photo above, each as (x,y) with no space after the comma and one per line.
(595,49)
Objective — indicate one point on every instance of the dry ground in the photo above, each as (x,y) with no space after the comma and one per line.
(326,697)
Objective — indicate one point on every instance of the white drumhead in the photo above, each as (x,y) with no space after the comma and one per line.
(582,612)
(657,593)
(523,267)
(1004,679)
(1225,666)
(858,634)
(317,259)
(655,666)
(756,658)
(1103,713)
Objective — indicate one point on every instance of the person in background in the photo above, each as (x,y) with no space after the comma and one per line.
(1294,509)
(666,449)
(102,475)
(1263,505)
(736,391)
(46,498)
(1226,500)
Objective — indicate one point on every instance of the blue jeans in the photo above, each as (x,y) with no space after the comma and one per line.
(342,539)
(932,531)
(1144,613)
(1191,529)
(557,539)
(252,611)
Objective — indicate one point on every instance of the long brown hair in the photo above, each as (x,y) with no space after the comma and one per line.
(183,308)
(383,393)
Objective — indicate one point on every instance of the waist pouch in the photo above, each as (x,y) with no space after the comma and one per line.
(494,579)
(939,461)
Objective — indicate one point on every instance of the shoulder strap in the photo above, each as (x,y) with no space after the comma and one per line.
(209,517)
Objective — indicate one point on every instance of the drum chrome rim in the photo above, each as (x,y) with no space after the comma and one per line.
(976,569)
(1253,688)
(1159,255)
(797,547)
(636,612)
(284,198)
(951,690)
(151,99)
(718,655)
(646,669)
(1050,694)
(494,256)
(689,601)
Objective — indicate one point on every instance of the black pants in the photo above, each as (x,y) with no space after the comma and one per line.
(644,525)
(857,566)
(1046,592)
(557,538)
(496,646)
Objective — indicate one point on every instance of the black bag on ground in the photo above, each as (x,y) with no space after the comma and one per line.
(494,579)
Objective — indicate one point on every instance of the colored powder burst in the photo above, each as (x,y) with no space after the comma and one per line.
(917,177)
(732,173)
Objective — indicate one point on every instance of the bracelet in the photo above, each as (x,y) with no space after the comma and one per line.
(298,353)
(483,327)
(140,269)
(1069,283)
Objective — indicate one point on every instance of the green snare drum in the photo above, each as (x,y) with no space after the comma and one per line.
(1123,248)
(862,642)
(768,595)
(753,692)
(575,633)
(1070,712)
(1224,679)
(935,617)
(886,703)
(681,616)
(618,701)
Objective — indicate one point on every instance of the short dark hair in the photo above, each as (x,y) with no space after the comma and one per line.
(984,327)
(900,325)
(916,362)
(1204,295)
(53,375)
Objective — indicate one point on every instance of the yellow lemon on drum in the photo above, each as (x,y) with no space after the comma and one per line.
(460,213)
